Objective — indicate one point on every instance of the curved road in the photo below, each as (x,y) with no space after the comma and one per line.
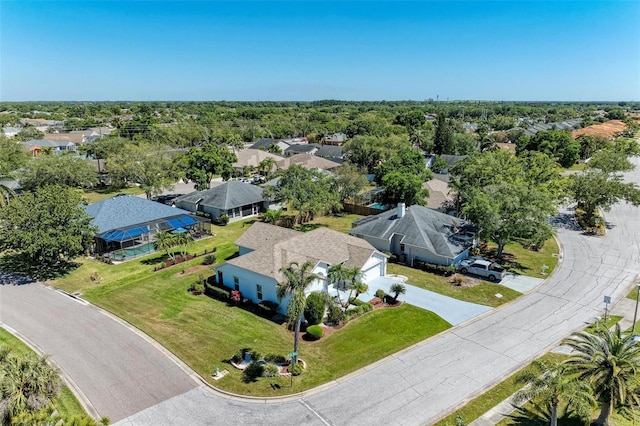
(132,381)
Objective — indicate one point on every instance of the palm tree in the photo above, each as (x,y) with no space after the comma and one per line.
(353,275)
(297,280)
(397,289)
(359,287)
(272,216)
(337,274)
(183,239)
(610,362)
(266,165)
(165,240)
(553,384)
(27,384)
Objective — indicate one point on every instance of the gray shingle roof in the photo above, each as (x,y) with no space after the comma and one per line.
(421,227)
(124,211)
(226,196)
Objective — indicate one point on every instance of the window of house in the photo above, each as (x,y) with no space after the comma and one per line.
(236,283)
(259,291)
(401,248)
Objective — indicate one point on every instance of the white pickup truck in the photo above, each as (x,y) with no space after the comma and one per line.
(482,267)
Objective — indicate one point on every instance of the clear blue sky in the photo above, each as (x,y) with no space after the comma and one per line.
(306,50)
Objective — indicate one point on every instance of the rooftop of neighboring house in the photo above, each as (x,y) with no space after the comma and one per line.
(308,161)
(226,196)
(252,157)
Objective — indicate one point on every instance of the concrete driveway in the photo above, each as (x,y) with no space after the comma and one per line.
(416,386)
(454,311)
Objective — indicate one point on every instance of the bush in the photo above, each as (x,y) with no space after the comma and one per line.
(380,293)
(275,358)
(252,371)
(268,308)
(209,259)
(315,332)
(335,315)
(222,220)
(220,293)
(270,370)
(433,268)
(358,310)
(314,310)
(197,287)
(296,370)
(237,357)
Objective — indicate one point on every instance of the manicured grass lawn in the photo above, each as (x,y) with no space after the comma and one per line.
(95,196)
(66,403)
(483,294)
(528,262)
(340,222)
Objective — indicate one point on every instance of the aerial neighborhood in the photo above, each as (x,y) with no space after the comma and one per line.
(277,248)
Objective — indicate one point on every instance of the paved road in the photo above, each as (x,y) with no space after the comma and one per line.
(416,386)
(117,370)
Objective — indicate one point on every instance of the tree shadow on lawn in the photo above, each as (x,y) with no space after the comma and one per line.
(21,265)
(508,260)
(536,415)
(155,259)
(306,227)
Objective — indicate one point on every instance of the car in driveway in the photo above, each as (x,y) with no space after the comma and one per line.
(483,268)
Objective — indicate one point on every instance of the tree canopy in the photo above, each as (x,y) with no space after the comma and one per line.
(66,169)
(204,163)
(47,225)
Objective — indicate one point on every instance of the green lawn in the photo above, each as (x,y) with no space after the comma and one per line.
(101,194)
(66,403)
(483,293)
(527,262)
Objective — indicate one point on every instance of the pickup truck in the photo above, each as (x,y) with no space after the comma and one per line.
(482,267)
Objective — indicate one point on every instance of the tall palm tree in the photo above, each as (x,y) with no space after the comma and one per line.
(297,280)
(610,362)
(353,275)
(337,274)
(182,240)
(266,165)
(552,384)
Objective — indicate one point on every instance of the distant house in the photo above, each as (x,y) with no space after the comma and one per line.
(300,148)
(36,146)
(10,131)
(127,224)
(336,139)
(265,143)
(265,249)
(251,158)
(417,233)
(237,200)
(308,161)
(331,152)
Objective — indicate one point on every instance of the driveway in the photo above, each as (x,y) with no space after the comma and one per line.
(454,311)
(416,386)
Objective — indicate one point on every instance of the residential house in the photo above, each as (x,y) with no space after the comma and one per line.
(264,250)
(10,131)
(308,161)
(36,146)
(418,233)
(301,148)
(237,200)
(127,224)
(251,158)
(264,144)
(331,152)
(336,139)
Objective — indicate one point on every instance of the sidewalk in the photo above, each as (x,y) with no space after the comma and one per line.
(624,308)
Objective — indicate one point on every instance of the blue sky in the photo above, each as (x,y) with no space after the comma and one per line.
(307,50)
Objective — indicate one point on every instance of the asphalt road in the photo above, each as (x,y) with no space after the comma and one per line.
(413,387)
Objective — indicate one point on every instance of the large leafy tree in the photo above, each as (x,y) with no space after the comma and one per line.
(443,136)
(610,362)
(147,165)
(307,191)
(366,152)
(398,187)
(407,161)
(46,225)
(558,144)
(551,385)
(203,163)
(508,197)
(348,181)
(67,170)
(13,155)
(297,279)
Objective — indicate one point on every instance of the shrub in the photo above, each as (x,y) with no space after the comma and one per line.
(315,307)
(275,359)
(458,280)
(380,293)
(222,220)
(209,259)
(252,371)
(270,370)
(255,355)
(197,287)
(296,370)
(267,308)
(315,332)
(236,296)
(237,357)
(335,315)
(220,293)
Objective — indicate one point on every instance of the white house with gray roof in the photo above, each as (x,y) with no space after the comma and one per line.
(265,249)
(237,200)
(418,233)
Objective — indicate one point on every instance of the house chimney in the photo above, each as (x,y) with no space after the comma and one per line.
(400,211)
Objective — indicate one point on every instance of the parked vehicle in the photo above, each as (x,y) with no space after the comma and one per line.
(482,267)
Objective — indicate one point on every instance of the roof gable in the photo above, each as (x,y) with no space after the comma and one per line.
(226,196)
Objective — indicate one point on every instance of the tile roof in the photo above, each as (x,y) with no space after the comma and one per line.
(253,157)
(124,211)
(308,161)
(226,196)
(275,247)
